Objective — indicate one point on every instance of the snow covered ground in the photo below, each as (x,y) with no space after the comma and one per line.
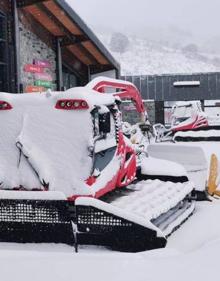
(191,254)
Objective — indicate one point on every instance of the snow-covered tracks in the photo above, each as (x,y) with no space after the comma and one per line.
(166,204)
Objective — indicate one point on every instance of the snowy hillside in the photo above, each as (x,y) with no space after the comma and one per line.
(150,57)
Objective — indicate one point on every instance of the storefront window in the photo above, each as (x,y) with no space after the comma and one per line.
(69,79)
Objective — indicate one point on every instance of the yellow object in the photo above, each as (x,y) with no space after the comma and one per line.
(213,173)
(133,140)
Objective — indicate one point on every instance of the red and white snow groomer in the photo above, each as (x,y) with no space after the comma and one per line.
(68,175)
(189,123)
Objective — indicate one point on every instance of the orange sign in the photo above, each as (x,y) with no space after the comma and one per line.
(34,89)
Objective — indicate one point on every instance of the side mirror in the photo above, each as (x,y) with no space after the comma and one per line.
(105,123)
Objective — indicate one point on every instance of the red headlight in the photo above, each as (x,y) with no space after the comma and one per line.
(84,104)
(76,104)
(4,105)
(71,104)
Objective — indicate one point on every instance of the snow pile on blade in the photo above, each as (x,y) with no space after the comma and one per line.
(153,166)
(192,158)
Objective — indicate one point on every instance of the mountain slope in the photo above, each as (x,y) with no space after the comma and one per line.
(144,57)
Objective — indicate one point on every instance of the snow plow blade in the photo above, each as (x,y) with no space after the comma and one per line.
(89,222)
(192,158)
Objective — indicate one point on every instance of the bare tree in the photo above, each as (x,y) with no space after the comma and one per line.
(190,48)
(119,42)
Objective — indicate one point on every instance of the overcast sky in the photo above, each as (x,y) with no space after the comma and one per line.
(200,17)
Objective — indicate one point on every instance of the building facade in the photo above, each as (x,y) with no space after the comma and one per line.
(165,90)
(45,44)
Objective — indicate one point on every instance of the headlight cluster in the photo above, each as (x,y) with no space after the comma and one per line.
(69,104)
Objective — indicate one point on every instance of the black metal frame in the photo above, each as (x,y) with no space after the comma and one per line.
(38,221)
(98,227)
(59,71)
(35,221)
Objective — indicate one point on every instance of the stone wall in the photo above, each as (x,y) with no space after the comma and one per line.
(31,47)
(130,114)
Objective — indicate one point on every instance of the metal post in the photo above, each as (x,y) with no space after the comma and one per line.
(16,39)
(159,112)
(117,74)
(59,70)
(202,104)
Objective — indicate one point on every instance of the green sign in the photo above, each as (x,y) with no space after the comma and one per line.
(41,83)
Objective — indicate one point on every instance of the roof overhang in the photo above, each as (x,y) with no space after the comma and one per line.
(80,47)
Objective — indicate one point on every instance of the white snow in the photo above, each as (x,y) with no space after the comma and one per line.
(104,144)
(34,195)
(191,254)
(192,157)
(93,98)
(154,166)
(150,199)
(14,169)
(186,103)
(58,149)
(146,57)
(208,148)
(99,79)
(201,228)
(54,141)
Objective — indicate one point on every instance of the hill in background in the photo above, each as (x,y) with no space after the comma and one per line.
(141,56)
